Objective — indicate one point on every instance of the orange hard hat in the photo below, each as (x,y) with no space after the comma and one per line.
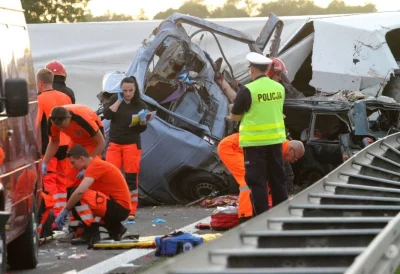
(57,68)
(277,66)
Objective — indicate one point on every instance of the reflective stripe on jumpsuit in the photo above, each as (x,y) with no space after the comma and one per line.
(232,156)
(128,157)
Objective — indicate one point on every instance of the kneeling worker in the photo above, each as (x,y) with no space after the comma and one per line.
(102,198)
(232,156)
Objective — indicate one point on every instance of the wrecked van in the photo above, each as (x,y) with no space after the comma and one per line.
(176,78)
(176,71)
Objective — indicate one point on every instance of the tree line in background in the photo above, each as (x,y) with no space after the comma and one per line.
(49,11)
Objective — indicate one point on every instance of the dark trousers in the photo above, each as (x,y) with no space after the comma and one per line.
(264,165)
(115,214)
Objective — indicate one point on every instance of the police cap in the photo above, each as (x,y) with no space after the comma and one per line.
(258,60)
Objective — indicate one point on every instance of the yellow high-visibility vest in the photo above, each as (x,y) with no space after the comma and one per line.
(263,124)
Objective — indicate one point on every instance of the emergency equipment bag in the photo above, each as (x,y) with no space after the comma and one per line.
(175,243)
(224,218)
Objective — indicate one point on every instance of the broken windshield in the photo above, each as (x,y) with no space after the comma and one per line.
(218,47)
(382,119)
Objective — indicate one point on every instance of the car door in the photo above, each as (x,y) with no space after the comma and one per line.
(323,138)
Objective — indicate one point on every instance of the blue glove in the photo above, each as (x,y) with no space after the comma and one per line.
(44,168)
(120,96)
(60,220)
(81,174)
(142,115)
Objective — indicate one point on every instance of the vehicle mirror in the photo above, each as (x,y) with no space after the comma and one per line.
(16,97)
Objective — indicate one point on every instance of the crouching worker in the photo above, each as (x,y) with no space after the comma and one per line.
(101,199)
(233,158)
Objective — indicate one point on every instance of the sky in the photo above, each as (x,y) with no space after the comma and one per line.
(152,7)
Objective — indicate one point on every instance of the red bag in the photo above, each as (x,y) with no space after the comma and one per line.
(222,221)
(224,218)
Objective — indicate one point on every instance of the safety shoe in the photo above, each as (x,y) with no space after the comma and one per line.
(117,236)
(121,233)
(72,234)
(68,237)
(86,239)
(131,217)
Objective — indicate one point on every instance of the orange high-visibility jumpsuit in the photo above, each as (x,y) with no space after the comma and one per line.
(108,200)
(233,158)
(83,127)
(125,144)
(54,182)
(127,156)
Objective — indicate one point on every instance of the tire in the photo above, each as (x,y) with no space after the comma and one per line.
(3,253)
(23,251)
(199,184)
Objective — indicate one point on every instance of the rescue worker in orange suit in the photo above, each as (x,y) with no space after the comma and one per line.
(125,145)
(102,198)
(232,156)
(60,75)
(54,181)
(83,127)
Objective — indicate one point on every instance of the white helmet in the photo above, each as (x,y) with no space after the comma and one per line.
(112,81)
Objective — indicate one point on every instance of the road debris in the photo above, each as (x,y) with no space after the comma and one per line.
(159,220)
(78,256)
(130,223)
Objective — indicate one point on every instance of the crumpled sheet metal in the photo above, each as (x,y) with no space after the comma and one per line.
(351,53)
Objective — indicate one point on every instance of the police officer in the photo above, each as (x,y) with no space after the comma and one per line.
(259,107)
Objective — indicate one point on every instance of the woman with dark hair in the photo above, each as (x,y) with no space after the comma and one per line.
(125,149)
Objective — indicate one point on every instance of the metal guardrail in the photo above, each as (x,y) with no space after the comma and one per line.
(347,222)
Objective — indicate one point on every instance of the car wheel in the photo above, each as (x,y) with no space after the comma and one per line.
(199,184)
(3,253)
(23,251)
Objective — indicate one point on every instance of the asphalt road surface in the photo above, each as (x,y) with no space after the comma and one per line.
(55,258)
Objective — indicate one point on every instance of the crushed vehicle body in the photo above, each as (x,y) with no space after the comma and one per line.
(176,78)
(342,90)
(356,92)
(333,131)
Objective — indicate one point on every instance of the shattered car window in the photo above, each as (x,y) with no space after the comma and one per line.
(382,120)
(218,48)
(328,127)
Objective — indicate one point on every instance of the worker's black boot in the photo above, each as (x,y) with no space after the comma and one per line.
(91,234)
(116,232)
(118,236)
